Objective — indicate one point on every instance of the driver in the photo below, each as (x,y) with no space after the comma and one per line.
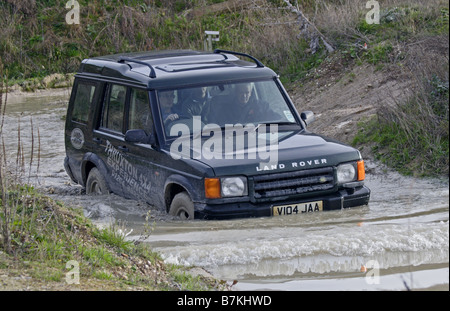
(243,107)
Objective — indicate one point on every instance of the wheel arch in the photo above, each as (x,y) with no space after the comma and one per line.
(174,185)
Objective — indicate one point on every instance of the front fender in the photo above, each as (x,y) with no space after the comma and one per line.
(176,183)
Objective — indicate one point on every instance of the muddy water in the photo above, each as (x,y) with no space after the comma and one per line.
(400,241)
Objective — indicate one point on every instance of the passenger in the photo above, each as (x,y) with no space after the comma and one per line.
(166,104)
(196,104)
(243,107)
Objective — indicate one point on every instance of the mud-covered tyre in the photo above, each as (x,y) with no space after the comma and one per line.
(96,183)
(182,206)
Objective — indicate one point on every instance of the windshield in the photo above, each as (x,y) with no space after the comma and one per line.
(220,105)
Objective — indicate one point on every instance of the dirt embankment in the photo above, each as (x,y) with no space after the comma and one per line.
(343,93)
(341,99)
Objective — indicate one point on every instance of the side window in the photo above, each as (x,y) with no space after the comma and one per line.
(83,100)
(140,115)
(113,108)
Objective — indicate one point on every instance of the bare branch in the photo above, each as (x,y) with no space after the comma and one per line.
(305,24)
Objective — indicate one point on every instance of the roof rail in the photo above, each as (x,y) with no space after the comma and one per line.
(257,62)
(131,60)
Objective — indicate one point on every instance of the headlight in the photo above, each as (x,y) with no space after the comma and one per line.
(346,173)
(225,187)
(234,186)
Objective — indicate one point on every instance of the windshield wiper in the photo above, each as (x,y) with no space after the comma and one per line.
(278,123)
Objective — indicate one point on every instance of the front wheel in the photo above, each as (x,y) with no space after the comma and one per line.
(182,206)
(96,184)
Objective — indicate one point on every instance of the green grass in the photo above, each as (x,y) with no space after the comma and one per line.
(41,43)
(393,146)
(44,235)
(410,136)
(413,136)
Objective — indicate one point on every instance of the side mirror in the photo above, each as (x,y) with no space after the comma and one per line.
(140,137)
(307,117)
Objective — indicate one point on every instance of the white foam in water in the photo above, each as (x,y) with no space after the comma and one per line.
(369,240)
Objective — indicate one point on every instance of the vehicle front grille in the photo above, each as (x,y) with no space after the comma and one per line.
(270,186)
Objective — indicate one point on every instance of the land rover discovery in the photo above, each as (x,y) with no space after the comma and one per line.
(205,135)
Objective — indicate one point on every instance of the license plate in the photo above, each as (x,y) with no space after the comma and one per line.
(297,208)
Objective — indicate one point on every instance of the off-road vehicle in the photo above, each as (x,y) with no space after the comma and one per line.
(203,135)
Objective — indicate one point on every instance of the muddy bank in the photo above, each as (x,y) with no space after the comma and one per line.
(341,98)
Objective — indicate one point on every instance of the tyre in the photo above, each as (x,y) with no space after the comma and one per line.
(96,183)
(182,206)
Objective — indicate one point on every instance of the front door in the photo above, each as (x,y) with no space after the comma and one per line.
(130,166)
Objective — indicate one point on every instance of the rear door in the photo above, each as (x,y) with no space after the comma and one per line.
(85,95)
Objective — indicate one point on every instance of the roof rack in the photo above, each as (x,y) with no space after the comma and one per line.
(131,60)
(257,62)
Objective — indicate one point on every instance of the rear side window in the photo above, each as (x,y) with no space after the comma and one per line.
(83,100)
(113,110)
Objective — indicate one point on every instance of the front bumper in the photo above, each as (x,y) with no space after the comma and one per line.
(342,199)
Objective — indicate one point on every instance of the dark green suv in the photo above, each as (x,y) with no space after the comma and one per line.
(203,135)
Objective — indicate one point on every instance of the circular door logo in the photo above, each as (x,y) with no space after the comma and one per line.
(77,138)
